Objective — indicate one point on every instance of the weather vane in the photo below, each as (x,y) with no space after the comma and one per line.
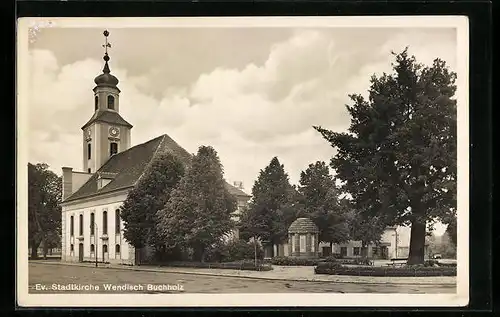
(107,44)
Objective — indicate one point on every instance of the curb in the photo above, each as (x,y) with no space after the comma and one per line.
(133,268)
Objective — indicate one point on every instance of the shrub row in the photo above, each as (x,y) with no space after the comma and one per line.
(240,265)
(352,261)
(447,264)
(337,269)
(291,261)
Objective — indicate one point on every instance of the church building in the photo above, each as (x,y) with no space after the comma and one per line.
(111,168)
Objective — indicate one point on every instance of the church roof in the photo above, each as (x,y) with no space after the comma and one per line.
(235,191)
(112,117)
(129,165)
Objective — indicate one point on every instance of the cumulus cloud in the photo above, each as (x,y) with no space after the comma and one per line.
(249,113)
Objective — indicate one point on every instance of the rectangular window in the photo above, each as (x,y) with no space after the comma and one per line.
(89,170)
(81,225)
(113,148)
(72,226)
(375,251)
(105,222)
(92,222)
(293,244)
(89,151)
(343,251)
(313,244)
(117,221)
(355,251)
(302,243)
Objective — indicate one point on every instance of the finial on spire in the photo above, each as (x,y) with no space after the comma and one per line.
(106,56)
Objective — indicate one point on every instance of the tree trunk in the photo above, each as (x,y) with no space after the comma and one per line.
(45,249)
(417,242)
(34,250)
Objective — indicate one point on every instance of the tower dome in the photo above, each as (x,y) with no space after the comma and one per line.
(106,79)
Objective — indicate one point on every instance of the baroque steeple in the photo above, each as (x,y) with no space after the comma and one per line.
(106,79)
(106,133)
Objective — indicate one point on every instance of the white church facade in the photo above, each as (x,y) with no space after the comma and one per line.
(91,223)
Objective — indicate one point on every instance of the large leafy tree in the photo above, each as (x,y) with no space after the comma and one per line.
(273,205)
(198,213)
(139,211)
(319,197)
(368,230)
(451,230)
(44,210)
(398,159)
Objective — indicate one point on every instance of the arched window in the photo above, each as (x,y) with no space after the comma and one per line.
(89,151)
(72,248)
(105,222)
(105,248)
(92,248)
(117,249)
(117,221)
(72,226)
(96,101)
(92,223)
(89,170)
(113,148)
(111,102)
(81,225)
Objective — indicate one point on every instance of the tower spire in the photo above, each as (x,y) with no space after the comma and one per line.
(106,56)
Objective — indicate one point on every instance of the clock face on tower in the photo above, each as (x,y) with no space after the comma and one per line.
(114,132)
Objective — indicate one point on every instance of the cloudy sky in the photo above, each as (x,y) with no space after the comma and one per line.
(251,93)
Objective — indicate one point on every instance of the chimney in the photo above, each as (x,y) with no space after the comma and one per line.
(67,182)
(238,185)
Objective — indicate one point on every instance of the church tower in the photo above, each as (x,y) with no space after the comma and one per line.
(106,133)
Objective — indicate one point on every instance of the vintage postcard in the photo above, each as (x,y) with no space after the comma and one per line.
(306,161)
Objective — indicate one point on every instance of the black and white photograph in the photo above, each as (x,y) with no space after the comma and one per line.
(306,161)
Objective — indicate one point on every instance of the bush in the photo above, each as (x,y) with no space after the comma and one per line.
(239,265)
(292,261)
(362,261)
(338,269)
(430,263)
(447,264)
(335,256)
(354,261)
(233,250)
(331,258)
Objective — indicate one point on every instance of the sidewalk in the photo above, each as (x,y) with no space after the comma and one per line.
(284,273)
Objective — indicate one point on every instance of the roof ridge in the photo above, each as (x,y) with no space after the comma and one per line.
(125,151)
(152,157)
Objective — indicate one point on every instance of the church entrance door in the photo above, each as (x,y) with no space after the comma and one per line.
(80,252)
(105,253)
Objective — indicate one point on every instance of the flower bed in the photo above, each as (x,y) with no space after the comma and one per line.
(240,265)
(338,269)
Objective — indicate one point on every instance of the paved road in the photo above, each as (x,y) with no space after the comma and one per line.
(63,278)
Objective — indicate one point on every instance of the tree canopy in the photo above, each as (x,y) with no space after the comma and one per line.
(44,210)
(147,197)
(398,158)
(198,213)
(319,198)
(273,205)
(451,230)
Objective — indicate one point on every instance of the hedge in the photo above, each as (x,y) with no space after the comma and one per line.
(338,269)
(291,261)
(241,265)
